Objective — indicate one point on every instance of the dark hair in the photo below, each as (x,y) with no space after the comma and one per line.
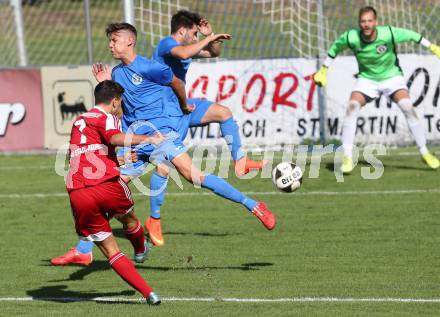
(106,90)
(184,18)
(366,9)
(121,26)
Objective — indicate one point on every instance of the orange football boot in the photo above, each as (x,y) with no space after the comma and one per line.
(265,215)
(154,231)
(245,165)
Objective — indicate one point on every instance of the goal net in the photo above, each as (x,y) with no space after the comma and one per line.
(8,36)
(276,37)
(275,49)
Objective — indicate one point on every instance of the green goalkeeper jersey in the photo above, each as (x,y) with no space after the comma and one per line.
(377,60)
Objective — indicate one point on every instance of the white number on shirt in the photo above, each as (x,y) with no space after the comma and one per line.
(81,124)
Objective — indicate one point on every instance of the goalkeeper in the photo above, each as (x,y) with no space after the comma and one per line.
(379,73)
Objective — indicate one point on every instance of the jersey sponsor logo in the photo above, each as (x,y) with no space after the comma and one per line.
(136,79)
(86,149)
(381,49)
(91,115)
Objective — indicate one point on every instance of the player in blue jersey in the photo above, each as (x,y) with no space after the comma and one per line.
(177,51)
(144,98)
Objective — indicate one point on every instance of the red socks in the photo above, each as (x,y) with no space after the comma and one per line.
(137,238)
(126,270)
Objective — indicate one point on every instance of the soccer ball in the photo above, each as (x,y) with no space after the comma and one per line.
(287,177)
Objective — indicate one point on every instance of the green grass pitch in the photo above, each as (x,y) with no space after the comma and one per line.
(338,240)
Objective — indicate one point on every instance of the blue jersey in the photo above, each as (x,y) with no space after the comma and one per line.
(146,83)
(162,54)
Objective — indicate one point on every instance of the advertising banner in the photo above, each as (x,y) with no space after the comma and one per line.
(67,92)
(21,110)
(275,101)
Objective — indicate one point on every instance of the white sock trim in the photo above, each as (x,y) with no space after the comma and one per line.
(414,124)
(349,127)
(425,43)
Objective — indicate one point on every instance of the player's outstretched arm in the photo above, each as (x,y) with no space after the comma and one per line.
(120,139)
(101,72)
(192,50)
(404,35)
(214,48)
(342,43)
(401,35)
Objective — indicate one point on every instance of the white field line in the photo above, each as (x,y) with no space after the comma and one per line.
(276,156)
(311,193)
(233,300)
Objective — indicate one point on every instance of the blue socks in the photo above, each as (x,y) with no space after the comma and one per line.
(84,246)
(158,187)
(230,132)
(225,190)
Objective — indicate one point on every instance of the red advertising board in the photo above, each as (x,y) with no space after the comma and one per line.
(21,110)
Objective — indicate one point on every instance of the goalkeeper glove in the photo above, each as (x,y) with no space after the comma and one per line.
(435,49)
(320,77)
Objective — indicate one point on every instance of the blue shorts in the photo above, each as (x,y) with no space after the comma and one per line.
(166,151)
(194,118)
(201,107)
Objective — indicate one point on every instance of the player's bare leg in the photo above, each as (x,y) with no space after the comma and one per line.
(108,247)
(402,99)
(184,166)
(223,115)
(357,100)
(125,269)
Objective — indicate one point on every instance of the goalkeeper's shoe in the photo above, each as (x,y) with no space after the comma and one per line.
(245,165)
(73,257)
(140,257)
(154,231)
(431,160)
(265,215)
(347,165)
(320,77)
(153,299)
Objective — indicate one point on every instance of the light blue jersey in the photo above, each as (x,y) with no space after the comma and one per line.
(162,54)
(180,67)
(145,105)
(145,82)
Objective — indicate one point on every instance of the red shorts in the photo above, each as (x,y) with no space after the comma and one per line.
(94,206)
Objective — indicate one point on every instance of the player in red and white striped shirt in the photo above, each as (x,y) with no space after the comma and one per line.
(96,191)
